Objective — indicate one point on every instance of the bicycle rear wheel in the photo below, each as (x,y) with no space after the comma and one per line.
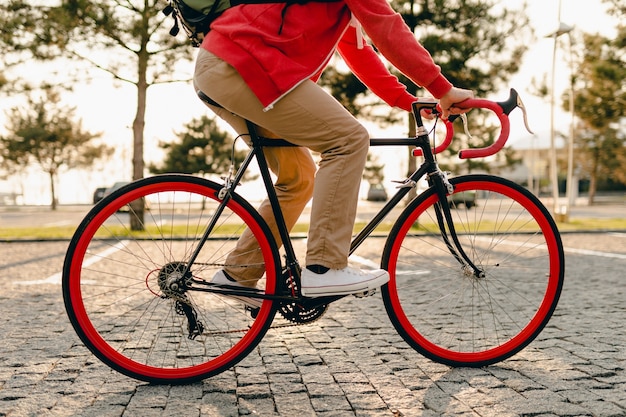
(440,307)
(140,238)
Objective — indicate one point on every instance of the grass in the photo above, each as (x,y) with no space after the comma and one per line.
(66,232)
(592,224)
(40,233)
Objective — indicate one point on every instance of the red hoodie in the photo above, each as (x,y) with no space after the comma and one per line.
(275,47)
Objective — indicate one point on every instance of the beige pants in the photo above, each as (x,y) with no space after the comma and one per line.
(308,116)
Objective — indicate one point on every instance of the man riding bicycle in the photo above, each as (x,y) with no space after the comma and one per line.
(260,62)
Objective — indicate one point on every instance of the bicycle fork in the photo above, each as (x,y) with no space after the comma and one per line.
(439,180)
(443,188)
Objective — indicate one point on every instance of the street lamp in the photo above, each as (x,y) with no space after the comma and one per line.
(562,30)
(572,189)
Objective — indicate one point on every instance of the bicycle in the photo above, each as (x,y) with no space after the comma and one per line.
(468,287)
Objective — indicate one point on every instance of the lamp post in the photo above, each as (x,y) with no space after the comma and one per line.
(571,191)
(562,29)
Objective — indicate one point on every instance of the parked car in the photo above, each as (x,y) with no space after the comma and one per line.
(114,187)
(98,194)
(119,185)
(377,192)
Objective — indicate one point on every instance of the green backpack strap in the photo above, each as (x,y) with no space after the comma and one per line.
(196,16)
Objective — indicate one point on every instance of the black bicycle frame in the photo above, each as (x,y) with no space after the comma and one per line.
(428,168)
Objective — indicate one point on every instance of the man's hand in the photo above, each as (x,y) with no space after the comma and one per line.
(455,95)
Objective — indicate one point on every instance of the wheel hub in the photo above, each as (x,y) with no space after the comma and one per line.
(172,279)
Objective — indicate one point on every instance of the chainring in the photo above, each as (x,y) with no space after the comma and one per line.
(299,312)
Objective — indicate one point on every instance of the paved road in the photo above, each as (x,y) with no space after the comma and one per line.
(349,363)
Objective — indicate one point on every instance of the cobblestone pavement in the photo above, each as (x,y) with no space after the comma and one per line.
(349,363)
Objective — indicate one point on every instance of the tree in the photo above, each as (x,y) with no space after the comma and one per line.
(477,44)
(353,95)
(12,20)
(136,33)
(617,7)
(373,170)
(600,105)
(25,38)
(46,134)
(128,39)
(15,17)
(201,148)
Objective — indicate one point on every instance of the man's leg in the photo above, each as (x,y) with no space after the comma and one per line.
(307,116)
(295,172)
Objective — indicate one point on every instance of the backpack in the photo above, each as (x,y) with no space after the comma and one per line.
(195,16)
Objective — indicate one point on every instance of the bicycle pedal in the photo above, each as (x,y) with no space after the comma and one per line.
(364,294)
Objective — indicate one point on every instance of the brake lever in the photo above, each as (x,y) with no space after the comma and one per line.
(466,126)
(522,107)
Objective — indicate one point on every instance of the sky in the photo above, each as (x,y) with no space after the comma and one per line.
(111,110)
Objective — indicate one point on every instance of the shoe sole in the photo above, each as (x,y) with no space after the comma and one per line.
(372,284)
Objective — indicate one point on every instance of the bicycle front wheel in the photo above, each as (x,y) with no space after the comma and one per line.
(446,311)
(127,294)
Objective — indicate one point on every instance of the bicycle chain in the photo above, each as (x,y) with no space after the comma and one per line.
(273,326)
(173,284)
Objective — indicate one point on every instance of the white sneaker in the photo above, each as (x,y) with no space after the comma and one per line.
(220,279)
(341,281)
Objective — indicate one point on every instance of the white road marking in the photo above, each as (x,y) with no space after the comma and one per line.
(55,279)
(565,249)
